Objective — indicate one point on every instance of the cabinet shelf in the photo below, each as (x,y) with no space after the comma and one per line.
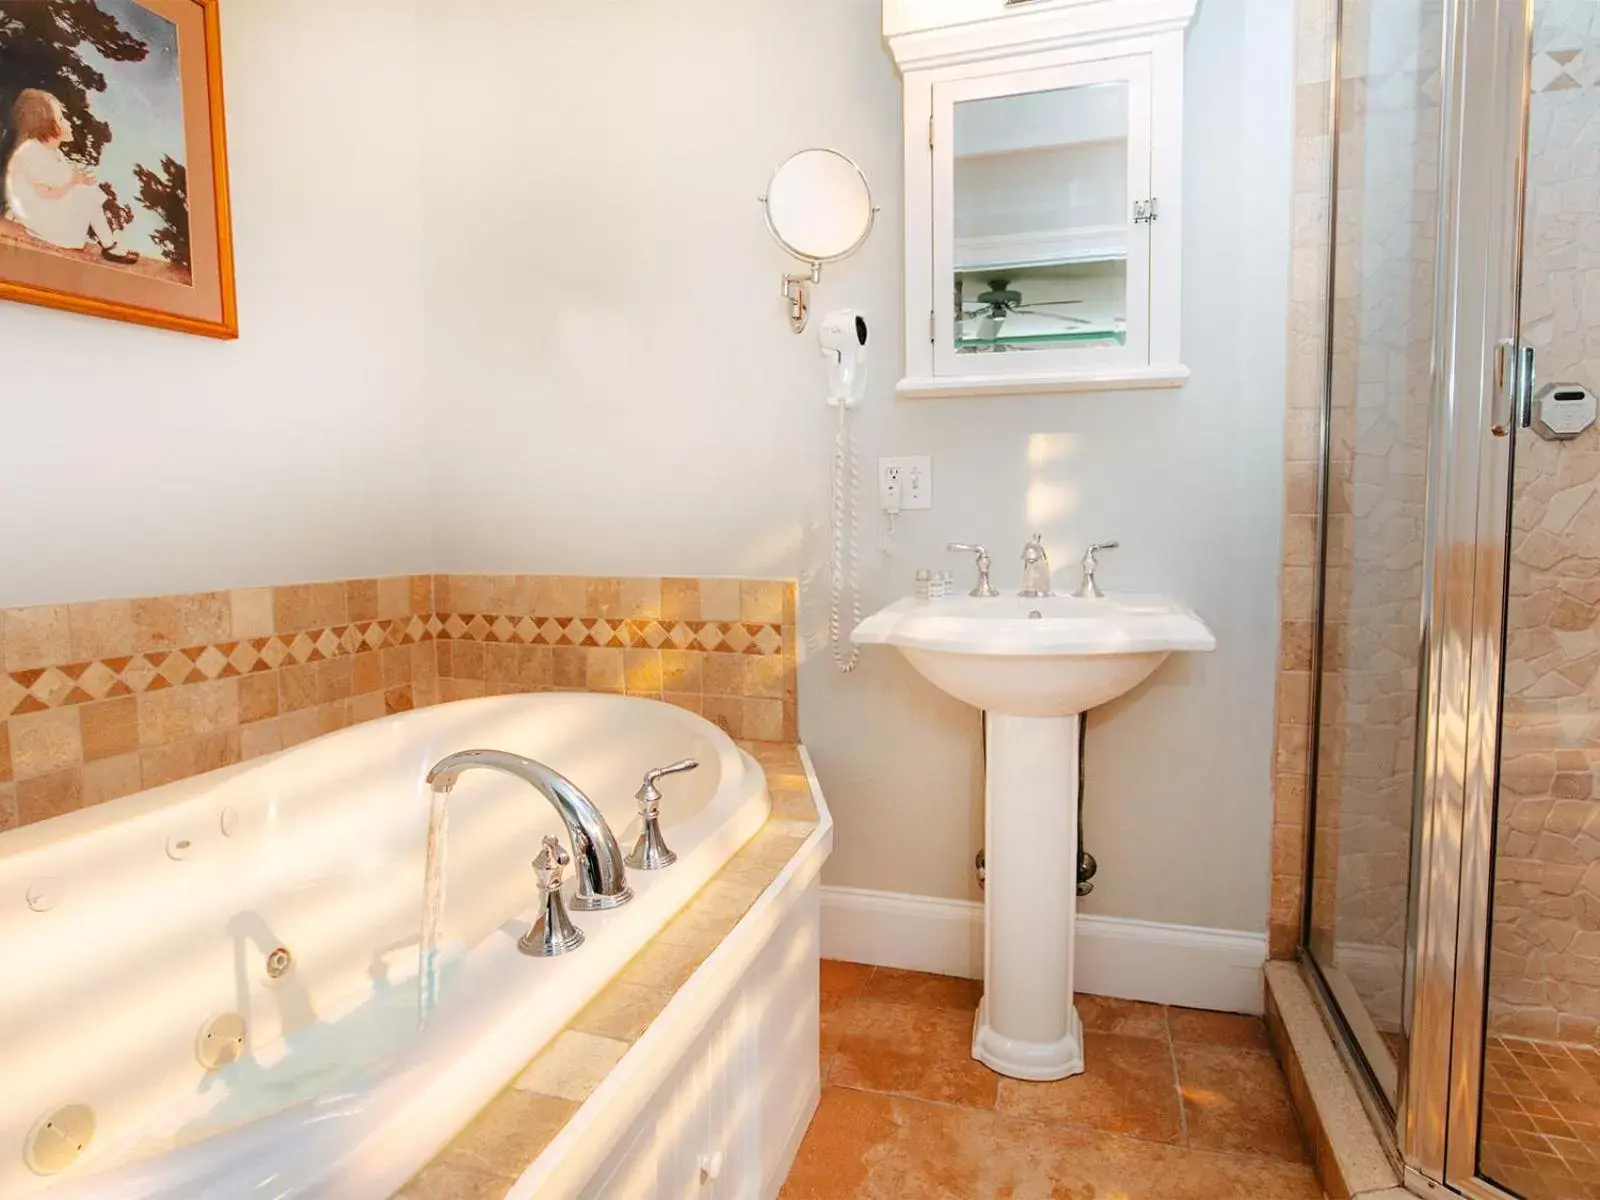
(1109,379)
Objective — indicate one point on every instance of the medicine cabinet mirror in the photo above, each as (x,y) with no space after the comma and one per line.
(1043,208)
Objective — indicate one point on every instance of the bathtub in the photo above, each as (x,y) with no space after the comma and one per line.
(136,935)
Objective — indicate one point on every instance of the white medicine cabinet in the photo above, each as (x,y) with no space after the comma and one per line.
(1043,206)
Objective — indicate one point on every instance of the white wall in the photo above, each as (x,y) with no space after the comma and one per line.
(616,390)
(135,461)
(521,304)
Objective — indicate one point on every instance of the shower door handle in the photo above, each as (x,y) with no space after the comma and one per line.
(1514,371)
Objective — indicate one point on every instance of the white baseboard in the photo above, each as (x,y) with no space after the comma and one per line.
(1218,969)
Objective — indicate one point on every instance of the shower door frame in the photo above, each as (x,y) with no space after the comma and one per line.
(1480,386)
(1480,383)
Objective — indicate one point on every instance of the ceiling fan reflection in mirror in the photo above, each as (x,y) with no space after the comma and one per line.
(994,307)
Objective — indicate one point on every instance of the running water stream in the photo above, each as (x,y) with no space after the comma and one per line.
(432,908)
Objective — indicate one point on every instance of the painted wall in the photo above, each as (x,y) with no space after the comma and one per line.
(616,390)
(139,462)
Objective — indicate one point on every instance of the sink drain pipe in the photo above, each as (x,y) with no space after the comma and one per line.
(1088,868)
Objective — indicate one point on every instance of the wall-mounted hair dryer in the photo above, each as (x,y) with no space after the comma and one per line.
(844,346)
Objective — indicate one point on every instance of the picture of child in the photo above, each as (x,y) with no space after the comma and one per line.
(51,197)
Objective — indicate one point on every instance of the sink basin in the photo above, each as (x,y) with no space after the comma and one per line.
(1034,666)
(1047,657)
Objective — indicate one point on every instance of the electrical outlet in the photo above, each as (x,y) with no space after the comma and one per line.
(905,483)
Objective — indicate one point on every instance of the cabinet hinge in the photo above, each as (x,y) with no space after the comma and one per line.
(1145,211)
(930,133)
(933,324)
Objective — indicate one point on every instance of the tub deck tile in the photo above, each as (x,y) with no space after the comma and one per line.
(513,1130)
(570,1067)
(622,1010)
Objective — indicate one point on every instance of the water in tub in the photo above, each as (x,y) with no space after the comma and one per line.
(143,951)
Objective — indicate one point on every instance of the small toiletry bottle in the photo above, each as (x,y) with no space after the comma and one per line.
(947,584)
(923,589)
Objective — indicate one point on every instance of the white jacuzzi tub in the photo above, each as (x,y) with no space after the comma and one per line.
(126,929)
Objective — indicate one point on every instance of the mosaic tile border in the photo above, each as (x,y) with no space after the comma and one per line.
(40,688)
(737,637)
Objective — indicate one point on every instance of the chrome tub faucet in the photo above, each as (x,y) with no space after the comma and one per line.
(602,878)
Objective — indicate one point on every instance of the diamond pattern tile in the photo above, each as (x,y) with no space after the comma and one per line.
(82,683)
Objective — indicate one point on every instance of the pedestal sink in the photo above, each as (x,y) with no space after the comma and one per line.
(1034,665)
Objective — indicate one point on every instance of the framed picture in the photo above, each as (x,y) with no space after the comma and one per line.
(113,162)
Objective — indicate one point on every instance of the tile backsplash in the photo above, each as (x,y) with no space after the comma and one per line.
(103,699)
(724,648)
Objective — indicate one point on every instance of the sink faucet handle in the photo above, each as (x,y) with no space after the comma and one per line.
(650,852)
(984,590)
(1089,589)
(553,933)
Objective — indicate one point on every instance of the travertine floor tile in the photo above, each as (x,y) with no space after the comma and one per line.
(863,1146)
(906,1050)
(1128,1089)
(1036,1162)
(841,986)
(1218,1029)
(928,991)
(904,1114)
(1237,1100)
(843,980)
(1134,1018)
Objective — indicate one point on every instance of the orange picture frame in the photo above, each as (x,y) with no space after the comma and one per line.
(202,299)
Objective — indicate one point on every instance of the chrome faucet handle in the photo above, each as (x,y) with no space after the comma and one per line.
(650,852)
(985,590)
(1035,569)
(1089,589)
(552,860)
(553,933)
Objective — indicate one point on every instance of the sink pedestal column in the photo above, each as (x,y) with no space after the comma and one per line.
(1027,1027)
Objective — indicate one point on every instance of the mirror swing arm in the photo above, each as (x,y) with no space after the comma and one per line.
(794,291)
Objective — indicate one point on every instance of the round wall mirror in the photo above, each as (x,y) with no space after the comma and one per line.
(819,207)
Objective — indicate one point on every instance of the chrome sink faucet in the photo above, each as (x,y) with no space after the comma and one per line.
(1035,569)
(602,878)
(1088,589)
(985,590)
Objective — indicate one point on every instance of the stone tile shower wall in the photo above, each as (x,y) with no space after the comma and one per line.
(1545,966)
(103,699)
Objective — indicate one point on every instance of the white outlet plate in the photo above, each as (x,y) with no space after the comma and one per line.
(916,481)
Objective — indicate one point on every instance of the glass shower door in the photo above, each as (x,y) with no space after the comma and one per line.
(1377,411)
(1539,1121)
